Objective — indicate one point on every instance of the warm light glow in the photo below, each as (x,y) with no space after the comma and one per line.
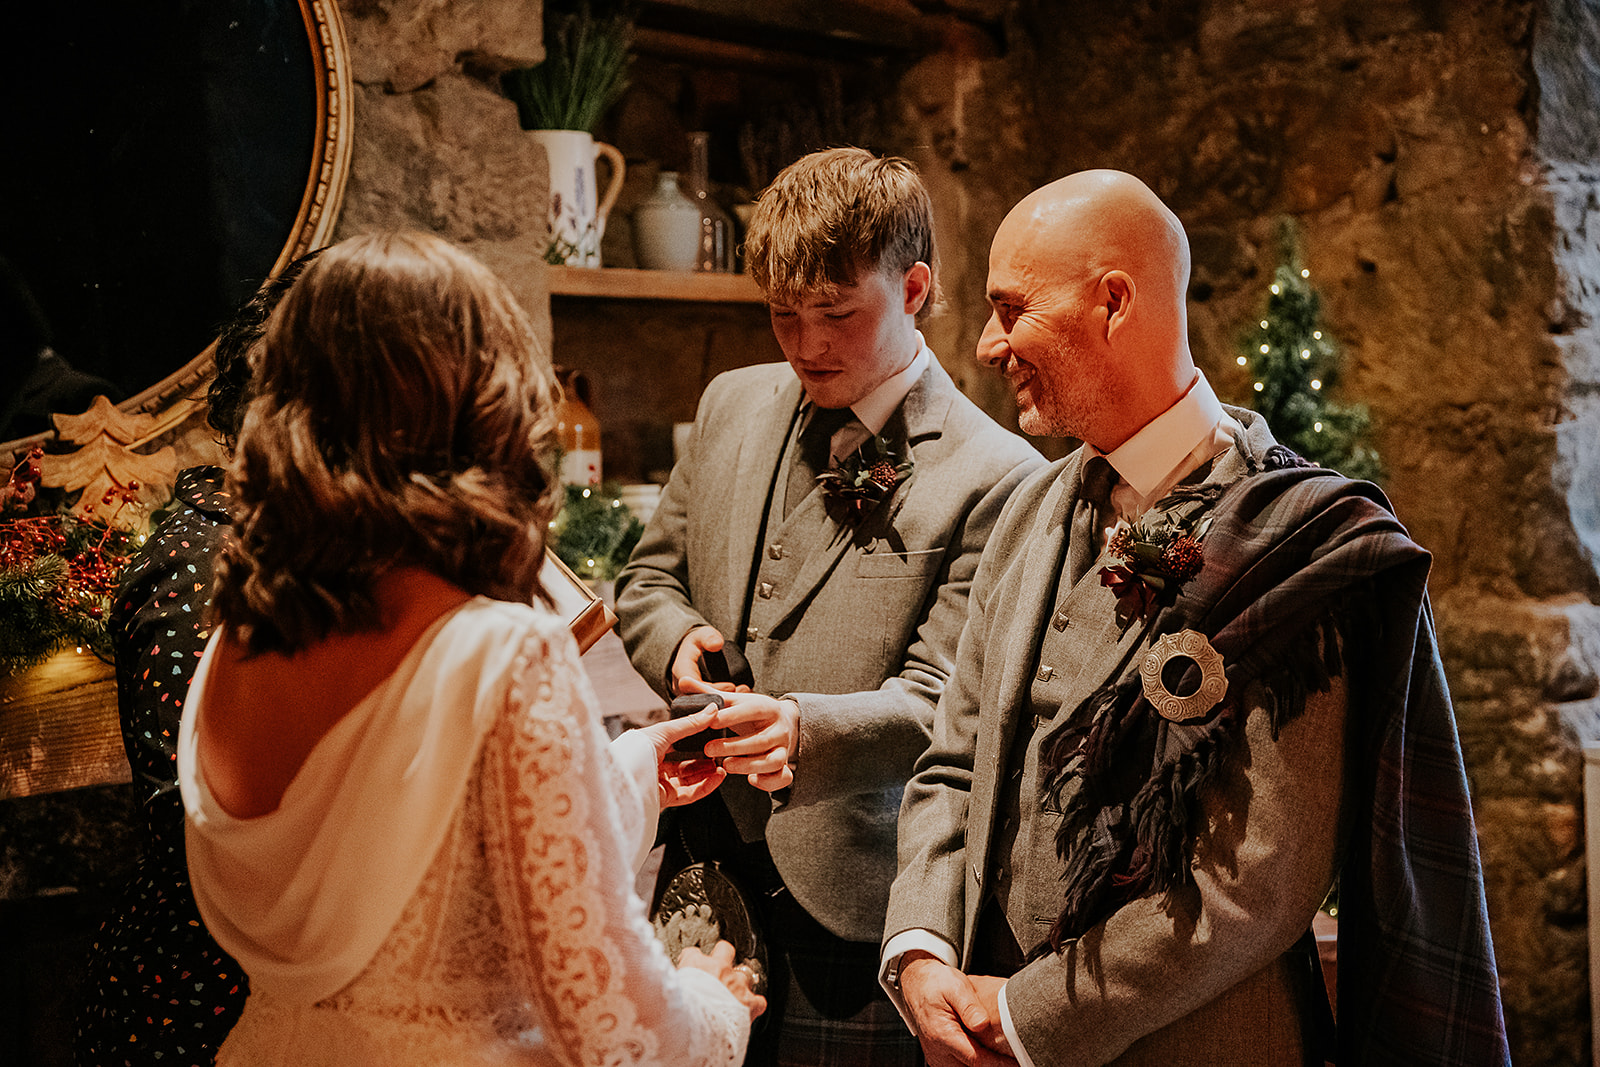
(80,650)
(1242,361)
(616,503)
(1304,273)
(1305,353)
(1260,386)
(589,563)
(1265,350)
(586,494)
(1317,334)
(1275,289)
(1317,426)
(1316,383)
(1263,324)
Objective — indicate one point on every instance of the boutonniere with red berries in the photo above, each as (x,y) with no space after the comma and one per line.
(1160,553)
(862,480)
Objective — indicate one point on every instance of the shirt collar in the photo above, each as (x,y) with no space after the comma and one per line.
(1152,457)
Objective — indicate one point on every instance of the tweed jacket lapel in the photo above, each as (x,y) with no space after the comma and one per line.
(920,418)
(1254,444)
(760,452)
(1029,596)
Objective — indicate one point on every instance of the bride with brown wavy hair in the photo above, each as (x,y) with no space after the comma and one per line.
(404,819)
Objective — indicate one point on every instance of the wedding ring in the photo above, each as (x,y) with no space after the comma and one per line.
(758,981)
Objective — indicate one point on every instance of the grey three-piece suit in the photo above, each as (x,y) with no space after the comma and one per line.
(857,622)
(1202,977)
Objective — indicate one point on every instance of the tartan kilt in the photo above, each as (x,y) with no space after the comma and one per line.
(826,1006)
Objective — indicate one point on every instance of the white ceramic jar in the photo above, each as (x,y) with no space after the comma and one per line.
(666,227)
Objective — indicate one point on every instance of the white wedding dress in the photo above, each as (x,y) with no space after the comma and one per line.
(449,878)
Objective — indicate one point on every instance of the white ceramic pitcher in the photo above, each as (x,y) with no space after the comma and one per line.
(578,209)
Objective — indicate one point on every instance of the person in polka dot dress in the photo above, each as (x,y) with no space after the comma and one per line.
(159,989)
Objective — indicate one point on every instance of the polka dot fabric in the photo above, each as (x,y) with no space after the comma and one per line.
(160,990)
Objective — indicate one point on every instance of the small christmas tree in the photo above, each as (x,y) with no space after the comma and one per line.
(594,532)
(1294,366)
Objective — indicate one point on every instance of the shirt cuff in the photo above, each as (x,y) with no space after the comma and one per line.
(889,963)
(1010,1029)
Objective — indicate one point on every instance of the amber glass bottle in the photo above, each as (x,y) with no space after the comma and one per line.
(577,432)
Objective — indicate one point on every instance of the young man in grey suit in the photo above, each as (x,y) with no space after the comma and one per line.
(1143,775)
(827,519)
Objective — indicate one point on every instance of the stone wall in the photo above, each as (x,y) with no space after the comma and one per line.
(437,147)
(1441,161)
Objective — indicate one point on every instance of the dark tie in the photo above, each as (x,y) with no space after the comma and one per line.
(1083,542)
(811,452)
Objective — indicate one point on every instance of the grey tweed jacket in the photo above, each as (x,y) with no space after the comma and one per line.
(1197,977)
(858,624)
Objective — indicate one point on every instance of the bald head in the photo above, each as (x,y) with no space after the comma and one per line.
(1102,220)
(1092,270)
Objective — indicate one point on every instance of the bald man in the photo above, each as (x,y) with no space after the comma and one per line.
(1138,792)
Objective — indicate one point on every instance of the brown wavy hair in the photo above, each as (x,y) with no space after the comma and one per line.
(229,391)
(402,414)
(833,214)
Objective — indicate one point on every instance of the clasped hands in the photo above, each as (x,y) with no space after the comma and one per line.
(956,1015)
(767,730)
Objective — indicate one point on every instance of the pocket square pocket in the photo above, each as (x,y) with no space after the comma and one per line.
(899,564)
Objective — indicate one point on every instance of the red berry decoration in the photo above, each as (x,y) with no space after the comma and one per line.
(1182,558)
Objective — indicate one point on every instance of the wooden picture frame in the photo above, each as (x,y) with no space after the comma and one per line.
(586,614)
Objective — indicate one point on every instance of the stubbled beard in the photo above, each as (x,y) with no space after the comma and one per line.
(1059,398)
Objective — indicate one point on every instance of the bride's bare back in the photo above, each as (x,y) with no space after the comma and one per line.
(265,713)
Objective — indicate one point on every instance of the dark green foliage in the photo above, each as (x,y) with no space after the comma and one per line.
(585,71)
(1294,367)
(57,576)
(594,533)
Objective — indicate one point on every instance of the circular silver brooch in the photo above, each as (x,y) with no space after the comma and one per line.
(1186,644)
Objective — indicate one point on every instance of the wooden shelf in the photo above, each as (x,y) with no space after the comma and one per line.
(628,284)
(59,727)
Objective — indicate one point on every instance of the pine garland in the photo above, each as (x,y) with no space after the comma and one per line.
(58,573)
(594,533)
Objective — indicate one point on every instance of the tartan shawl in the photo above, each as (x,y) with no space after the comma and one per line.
(1308,575)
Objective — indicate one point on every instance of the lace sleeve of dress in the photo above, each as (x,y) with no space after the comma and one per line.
(603,988)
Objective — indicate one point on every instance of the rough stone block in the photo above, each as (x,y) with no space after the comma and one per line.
(402,45)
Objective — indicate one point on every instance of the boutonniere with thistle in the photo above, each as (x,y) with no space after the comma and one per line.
(862,480)
(1160,553)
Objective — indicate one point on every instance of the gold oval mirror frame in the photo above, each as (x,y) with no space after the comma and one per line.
(178,395)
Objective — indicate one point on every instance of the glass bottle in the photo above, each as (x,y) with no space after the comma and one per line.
(716,225)
(577,432)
